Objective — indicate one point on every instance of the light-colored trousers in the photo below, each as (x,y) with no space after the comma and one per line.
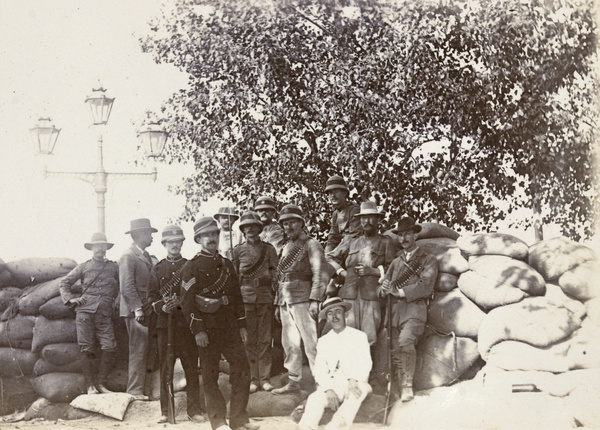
(297,326)
(138,354)
(343,417)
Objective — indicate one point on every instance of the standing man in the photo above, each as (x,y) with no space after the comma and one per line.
(100,287)
(341,371)
(408,284)
(213,308)
(344,223)
(300,290)
(163,292)
(360,263)
(272,232)
(134,274)
(256,264)
(226,217)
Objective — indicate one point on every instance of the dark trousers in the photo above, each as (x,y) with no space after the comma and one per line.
(226,341)
(258,320)
(184,347)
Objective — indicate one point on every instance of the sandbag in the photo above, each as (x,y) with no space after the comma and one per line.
(441,360)
(7,279)
(16,394)
(583,281)
(44,409)
(17,332)
(493,244)
(113,405)
(436,246)
(533,320)
(516,355)
(59,387)
(487,293)
(266,404)
(553,257)
(8,295)
(117,378)
(452,261)
(46,332)
(55,309)
(43,366)
(445,282)
(433,229)
(453,312)
(35,270)
(16,362)
(60,354)
(506,270)
(36,295)
(556,296)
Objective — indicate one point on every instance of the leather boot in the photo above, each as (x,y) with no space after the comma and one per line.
(290,388)
(409,363)
(107,360)
(87,368)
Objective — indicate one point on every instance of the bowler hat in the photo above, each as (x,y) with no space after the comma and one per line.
(405,224)
(331,303)
(290,211)
(98,238)
(336,182)
(369,208)
(265,202)
(172,232)
(250,218)
(140,224)
(227,212)
(206,224)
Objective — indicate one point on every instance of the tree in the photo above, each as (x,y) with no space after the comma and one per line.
(437,110)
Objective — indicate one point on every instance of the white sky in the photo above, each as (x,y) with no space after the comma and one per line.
(52,53)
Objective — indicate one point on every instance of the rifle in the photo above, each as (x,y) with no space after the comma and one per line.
(389,378)
(170,365)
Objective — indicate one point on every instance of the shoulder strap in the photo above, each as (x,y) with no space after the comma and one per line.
(250,272)
(288,261)
(97,274)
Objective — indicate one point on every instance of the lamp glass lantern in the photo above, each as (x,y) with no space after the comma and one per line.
(44,136)
(100,105)
(154,138)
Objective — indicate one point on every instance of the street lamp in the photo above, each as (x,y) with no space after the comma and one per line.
(44,136)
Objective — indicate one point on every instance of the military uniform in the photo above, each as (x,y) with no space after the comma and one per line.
(344,224)
(273,233)
(212,303)
(162,285)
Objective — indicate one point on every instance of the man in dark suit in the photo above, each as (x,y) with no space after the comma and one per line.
(134,274)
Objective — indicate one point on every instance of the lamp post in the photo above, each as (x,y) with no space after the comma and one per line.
(44,136)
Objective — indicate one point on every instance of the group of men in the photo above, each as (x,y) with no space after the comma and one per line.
(223,301)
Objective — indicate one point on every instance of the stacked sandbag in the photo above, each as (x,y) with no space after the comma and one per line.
(453,312)
(6,278)
(30,271)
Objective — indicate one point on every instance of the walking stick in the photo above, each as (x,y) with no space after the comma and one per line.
(388,393)
(170,365)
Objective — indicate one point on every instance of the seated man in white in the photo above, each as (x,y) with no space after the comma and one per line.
(342,367)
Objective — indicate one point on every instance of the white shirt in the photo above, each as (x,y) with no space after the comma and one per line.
(345,355)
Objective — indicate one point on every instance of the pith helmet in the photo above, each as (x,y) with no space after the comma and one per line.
(206,224)
(265,202)
(336,182)
(290,211)
(227,212)
(172,232)
(250,218)
(98,238)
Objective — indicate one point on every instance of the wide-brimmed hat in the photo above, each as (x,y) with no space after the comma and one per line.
(331,303)
(369,208)
(290,211)
(98,238)
(172,232)
(206,224)
(140,224)
(226,212)
(265,202)
(406,224)
(250,218)
(336,182)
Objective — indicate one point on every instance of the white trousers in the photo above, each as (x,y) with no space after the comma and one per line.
(343,417)
(298,327)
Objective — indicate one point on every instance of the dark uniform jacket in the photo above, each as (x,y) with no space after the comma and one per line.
(134,275)
(161,278)
(344,223)
(212,277)
(256,265)
(100,285)
(373,252)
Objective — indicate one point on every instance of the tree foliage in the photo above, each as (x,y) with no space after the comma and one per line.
(455,112)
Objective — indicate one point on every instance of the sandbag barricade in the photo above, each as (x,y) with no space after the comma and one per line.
(29,271)
(493,244)
(506,270)
(553,257)
(48,331)
(16,362)
(453,312)
(17,394)
(488,293)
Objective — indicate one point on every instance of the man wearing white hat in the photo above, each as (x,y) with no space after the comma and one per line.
(341,370)
(100,287)
(228,237)
(134,274)
(360,262)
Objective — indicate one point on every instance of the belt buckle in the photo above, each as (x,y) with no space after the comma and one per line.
(225,300)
